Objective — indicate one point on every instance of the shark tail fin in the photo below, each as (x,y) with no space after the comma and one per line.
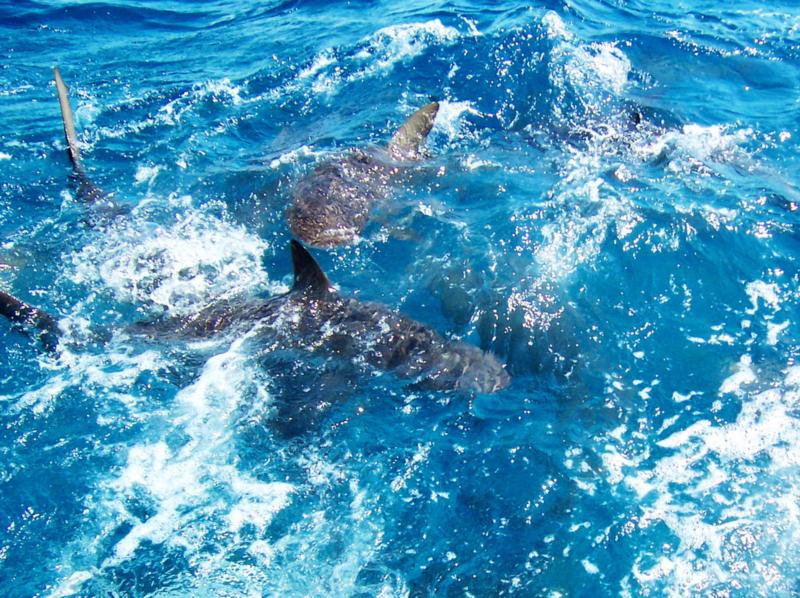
(69,123)
(87,191)
(406,142)
(308,276)
(30,320)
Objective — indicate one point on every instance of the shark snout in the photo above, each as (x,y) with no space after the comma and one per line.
(485,378)
(479,371)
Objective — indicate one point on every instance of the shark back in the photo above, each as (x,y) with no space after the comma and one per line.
(382,337)
(332,205)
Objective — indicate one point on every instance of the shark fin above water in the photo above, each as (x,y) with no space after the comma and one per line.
(406,142)
(308,276)
(87,191)
(69,122)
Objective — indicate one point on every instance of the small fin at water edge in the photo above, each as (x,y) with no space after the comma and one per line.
(308,276)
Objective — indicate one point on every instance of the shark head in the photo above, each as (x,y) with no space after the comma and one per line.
(332,205)
(480,371)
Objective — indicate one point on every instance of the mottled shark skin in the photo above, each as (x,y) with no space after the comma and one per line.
(314,317)
(332,205)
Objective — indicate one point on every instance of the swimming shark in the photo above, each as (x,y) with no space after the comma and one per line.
(314,317)
(332,205)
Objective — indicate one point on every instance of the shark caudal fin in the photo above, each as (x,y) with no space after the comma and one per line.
(86,190)
(405,144)
(69,123)
(30,320)
(308,276)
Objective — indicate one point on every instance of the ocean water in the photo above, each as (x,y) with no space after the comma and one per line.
(610,206)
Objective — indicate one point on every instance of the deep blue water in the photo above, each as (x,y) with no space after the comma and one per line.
(611,207)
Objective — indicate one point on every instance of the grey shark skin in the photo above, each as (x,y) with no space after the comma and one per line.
(332,205)
(313,317)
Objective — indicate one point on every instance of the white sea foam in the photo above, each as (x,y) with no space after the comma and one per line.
(111,375)
(292,156)
(576,237)
(199,472)
(322,61)
(774,330)
(590,567)
(555,27)
(71,586)
(173,111)
(450,120)
(714,499)
(743,375)
(767,293)
(597,72)
(15,90)
(146,174)
(375,55)
(587,208)
(202,504)
(390,45)
(182,266)
(599,64)
(696,148)
(170,114)
(87,110)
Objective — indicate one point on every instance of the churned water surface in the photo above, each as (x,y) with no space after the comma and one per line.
(610,206)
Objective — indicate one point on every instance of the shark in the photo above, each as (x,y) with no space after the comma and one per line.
(311,318)
(315,318)
(332,205)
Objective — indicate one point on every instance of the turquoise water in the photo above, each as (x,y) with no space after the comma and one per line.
(610,206)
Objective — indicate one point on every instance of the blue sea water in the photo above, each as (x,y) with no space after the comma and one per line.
(610,206)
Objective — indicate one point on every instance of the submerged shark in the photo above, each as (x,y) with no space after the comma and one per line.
(332,205)
(315,318)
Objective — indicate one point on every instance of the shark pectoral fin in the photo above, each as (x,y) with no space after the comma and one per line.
(406,142)
(308,276)
(30,320)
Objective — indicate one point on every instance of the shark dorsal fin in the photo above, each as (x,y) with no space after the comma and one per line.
(308,276)
(405,144)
